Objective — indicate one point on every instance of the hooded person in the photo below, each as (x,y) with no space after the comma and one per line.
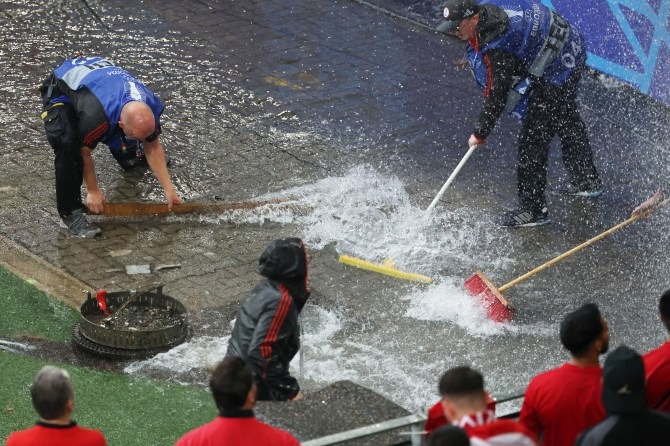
(629,421)
(266,333)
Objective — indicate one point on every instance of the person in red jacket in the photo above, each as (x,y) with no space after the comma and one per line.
(53,399)
(561,403)
(464,401)
(234,391)
(657,364)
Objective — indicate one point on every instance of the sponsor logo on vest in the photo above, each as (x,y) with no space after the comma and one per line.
(514,13)
(135,93)
(535,19)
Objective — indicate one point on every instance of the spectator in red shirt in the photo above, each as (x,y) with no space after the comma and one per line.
(436,417)
(234,391)
(657,364)
(561,403)
(464,401)
(53,399)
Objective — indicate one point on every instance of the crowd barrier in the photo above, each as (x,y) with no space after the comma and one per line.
(412,422)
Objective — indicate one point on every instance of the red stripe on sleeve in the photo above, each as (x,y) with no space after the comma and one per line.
(277,322)
(489,75)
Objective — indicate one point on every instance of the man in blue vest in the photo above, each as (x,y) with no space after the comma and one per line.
(528,60)
(88,100)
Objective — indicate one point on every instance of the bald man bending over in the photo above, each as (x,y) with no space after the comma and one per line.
(88,100)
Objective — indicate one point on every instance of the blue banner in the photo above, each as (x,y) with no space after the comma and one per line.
(627,39)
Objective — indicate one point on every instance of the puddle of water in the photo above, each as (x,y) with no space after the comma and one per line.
(15,347)
(450,303)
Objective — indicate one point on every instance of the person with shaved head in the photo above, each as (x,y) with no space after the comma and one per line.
(88,100)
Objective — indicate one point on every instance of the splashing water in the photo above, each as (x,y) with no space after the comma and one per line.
(199,353)
(368,215)
(397,343)
(462,310)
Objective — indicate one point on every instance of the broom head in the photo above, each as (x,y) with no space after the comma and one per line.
(497,308)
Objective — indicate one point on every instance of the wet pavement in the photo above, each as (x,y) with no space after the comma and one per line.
(358,116)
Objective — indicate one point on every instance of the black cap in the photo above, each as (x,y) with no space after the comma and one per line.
(623,382)
(455,11)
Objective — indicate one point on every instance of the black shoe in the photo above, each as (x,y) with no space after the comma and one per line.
(77,224)
(523,218)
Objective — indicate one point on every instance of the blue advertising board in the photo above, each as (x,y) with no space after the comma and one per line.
(627,39)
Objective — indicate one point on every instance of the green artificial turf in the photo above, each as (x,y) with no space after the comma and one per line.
(128,410)
(29,311)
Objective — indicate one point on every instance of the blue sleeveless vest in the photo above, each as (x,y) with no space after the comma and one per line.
(114,88)
(551,48)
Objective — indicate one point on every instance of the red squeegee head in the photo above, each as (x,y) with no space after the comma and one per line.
(497,307)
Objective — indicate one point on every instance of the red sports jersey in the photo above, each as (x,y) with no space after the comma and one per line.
(238,431)
(484,429)
(54,435)
(657,371)
(436,417)
(561,403)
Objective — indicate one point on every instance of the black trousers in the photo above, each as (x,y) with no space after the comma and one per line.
(552,110)
(60,124)
(62,129)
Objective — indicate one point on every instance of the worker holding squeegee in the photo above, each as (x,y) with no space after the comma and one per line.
(528,60)
(88,100)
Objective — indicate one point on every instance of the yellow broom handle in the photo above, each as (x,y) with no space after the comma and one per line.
(579,248)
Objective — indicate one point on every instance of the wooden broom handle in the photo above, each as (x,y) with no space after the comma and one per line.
(155,209)
(582,246)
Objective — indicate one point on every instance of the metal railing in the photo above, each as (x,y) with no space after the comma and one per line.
(414,422)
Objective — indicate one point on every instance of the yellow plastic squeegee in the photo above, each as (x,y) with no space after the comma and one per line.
(385,268)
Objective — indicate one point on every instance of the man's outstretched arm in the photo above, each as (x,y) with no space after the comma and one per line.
(156,158)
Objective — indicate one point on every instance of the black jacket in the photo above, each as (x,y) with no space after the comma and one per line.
(503,67)
(645,428)
(266,333)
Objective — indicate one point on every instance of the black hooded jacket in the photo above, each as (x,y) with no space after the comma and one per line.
(266,333)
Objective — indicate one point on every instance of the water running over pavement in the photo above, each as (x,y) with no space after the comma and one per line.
(397,343)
